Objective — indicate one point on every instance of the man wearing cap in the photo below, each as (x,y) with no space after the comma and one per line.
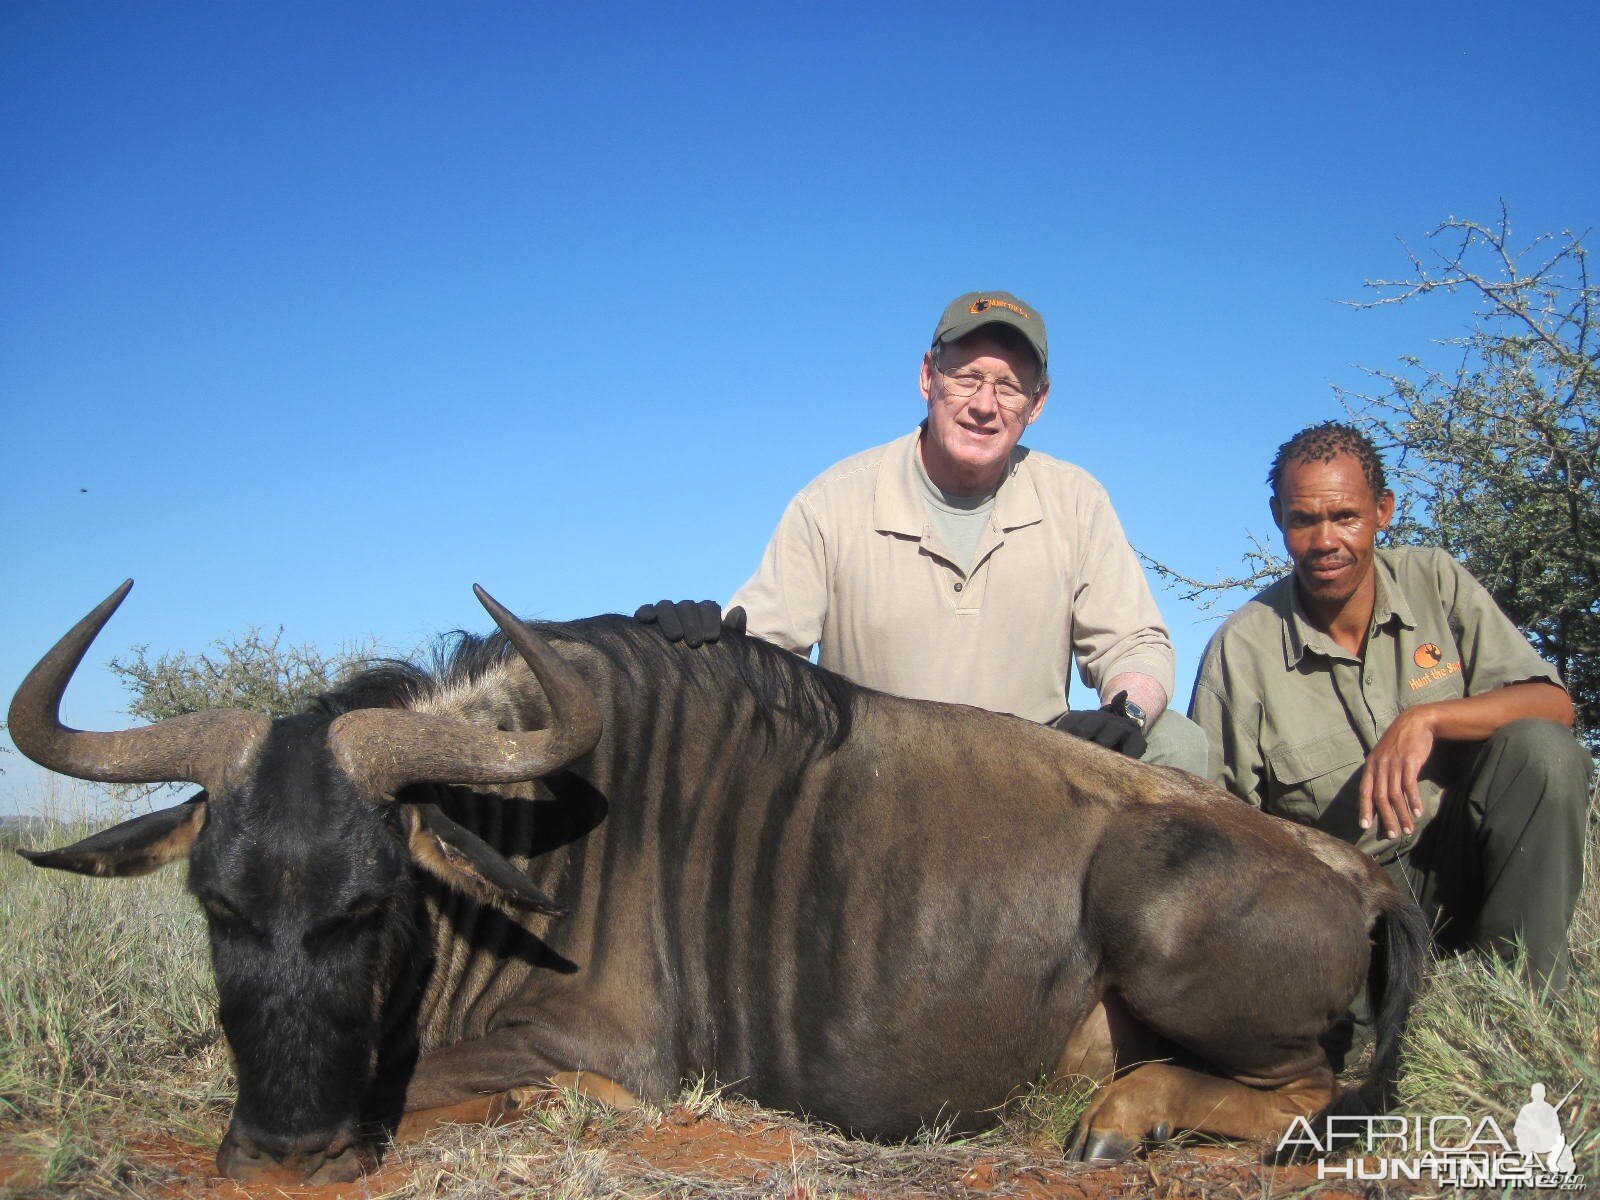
(954,564)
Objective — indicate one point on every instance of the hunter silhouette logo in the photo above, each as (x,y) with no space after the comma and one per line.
(1538,1134)
(1455,1149)
(1427,657)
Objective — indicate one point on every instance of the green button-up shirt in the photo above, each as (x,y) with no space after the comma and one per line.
(1291,715)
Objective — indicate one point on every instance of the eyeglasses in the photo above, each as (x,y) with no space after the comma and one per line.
(1008,393)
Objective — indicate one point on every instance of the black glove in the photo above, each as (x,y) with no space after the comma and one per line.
(1110,727)
(691,622)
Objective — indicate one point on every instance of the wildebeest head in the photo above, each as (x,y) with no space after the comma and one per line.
(302,858)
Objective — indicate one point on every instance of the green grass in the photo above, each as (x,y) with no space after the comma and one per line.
(108,1034)
(1481,1035)
(106,1012)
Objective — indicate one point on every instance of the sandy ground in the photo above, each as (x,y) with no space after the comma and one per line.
(748,1153)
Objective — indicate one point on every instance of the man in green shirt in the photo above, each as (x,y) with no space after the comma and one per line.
(1382,696)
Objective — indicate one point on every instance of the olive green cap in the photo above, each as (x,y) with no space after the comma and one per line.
(971,312)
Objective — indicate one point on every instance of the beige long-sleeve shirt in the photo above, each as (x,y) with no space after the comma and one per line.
(857,566)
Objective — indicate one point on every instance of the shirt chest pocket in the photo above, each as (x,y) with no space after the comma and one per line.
(1305,779)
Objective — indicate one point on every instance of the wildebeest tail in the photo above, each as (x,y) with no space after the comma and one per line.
(1399,944)
(1399,947)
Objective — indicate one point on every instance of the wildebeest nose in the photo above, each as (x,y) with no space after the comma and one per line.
(256,1157)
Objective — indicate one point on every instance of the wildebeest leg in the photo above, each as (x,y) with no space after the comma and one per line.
(1106,1041)
(504,1062)
(1158,1099)
(480,1110)
(1242,958)
(597,1087)
(515,1104)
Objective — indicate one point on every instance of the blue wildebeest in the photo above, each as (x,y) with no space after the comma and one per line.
(579,850)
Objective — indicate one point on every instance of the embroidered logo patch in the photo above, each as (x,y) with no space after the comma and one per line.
(1433,675)
(1427,657)
(985,304)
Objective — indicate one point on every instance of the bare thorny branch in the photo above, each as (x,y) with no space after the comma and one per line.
(1500,458)
(1533,299)
(1263,565)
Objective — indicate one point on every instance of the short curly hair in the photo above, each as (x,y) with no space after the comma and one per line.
(1324,443)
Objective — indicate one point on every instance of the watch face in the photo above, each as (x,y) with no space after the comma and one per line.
(1135,713)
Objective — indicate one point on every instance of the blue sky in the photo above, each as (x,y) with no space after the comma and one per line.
(313,315)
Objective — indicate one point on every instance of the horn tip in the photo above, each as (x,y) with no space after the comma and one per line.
(496,610)
(114,601)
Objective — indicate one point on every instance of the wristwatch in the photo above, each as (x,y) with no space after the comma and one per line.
(1124,707)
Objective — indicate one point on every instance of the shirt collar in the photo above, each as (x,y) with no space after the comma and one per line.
(1388,604)
(897,497)
(1300,635)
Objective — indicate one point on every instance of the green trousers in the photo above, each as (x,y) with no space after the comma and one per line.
(1503,861)
(1176,741)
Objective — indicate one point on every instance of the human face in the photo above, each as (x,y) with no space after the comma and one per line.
(969,439)
(1330,520)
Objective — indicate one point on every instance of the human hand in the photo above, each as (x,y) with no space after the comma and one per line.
(1389,790)
(694,623)
(1109,727)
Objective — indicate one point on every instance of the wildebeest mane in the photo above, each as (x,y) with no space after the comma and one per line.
(378,683)
(782,685)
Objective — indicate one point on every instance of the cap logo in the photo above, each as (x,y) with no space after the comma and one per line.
(981,306)
(1427,656)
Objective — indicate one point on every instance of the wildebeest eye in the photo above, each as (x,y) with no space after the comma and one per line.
(227,920)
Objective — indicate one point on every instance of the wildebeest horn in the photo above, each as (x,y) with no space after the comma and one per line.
(389,748)
(200,747)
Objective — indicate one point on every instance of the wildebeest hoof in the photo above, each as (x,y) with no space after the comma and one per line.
(1162,1133)
(518,1102)
(1106,1145)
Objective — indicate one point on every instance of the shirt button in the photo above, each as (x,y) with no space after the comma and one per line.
(958,587)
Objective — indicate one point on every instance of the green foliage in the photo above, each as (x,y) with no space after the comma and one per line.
(1496,457)
(251,671)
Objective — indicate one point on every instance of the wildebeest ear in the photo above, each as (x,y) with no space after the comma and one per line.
(456,856)
(134,847)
